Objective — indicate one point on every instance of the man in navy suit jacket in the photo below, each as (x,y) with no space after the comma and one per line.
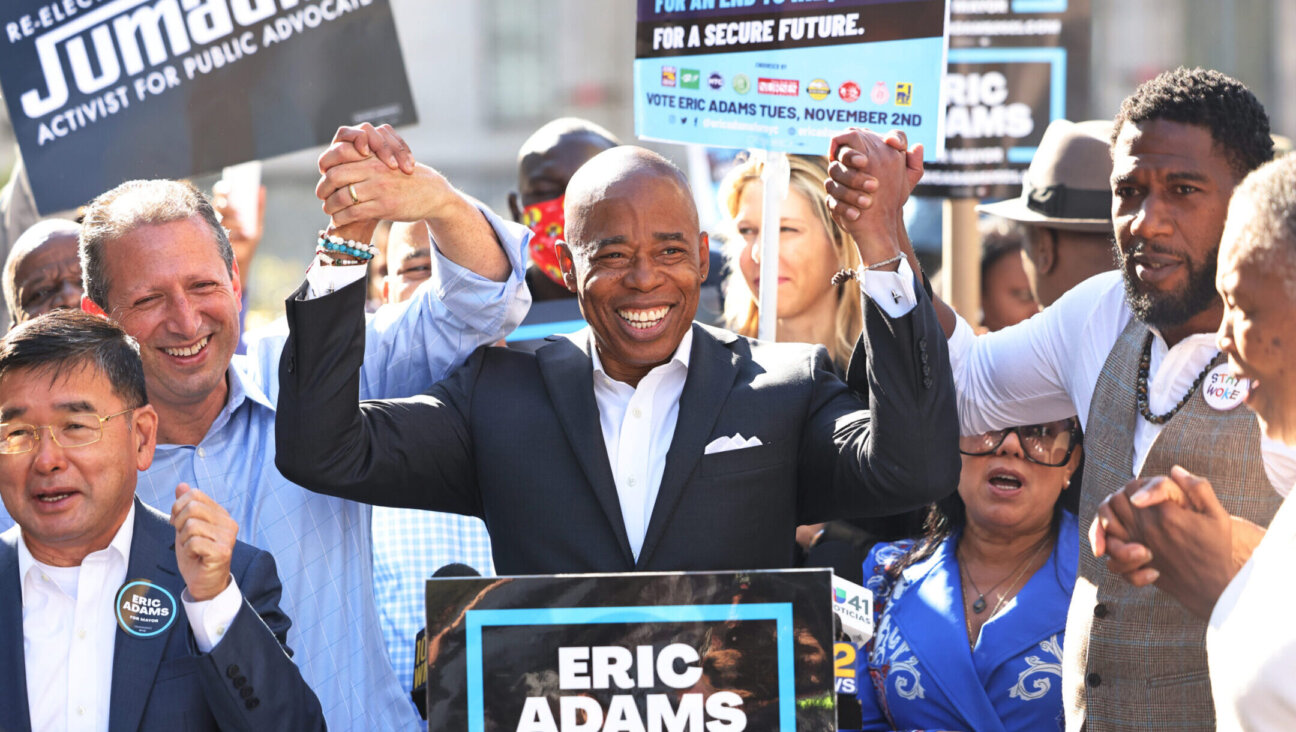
(110,612)
(647,441)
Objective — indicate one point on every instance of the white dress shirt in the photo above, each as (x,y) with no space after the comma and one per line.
(892,291)
(638,425)
(70,631)
(1047,368)
(1251,641)
(322,280)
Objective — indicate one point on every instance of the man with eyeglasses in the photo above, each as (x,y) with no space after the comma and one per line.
(129,619)
(1133,354)
(159,264)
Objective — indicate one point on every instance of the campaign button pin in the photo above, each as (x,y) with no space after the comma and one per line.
(1222,390)
(144,609)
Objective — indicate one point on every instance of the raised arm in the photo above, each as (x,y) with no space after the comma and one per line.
(359,190)
(467,304)
(414,452)
(1015,376)
(905,452)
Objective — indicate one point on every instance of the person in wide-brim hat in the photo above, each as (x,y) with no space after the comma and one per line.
(1065,205)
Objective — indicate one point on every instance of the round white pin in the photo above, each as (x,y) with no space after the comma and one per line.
(1224,391)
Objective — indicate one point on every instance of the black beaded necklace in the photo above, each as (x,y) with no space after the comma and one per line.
(1145,364)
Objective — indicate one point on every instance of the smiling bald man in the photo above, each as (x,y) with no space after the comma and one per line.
(645,441)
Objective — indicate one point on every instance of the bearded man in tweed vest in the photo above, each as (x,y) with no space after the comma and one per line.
(1132,353)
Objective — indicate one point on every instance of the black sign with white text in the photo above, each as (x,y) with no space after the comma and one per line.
(1014,66)
(103,91)
(687,652)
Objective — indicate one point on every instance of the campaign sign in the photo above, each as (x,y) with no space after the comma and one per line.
(687,652)
(103,91)
(1014,67)
(785,76)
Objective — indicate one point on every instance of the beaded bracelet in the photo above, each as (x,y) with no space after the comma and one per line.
(850,274)
(329,258)
(347,247)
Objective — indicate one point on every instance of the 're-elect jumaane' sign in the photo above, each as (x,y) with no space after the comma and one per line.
(103,91)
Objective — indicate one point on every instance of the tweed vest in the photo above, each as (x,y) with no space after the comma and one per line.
(1135,658)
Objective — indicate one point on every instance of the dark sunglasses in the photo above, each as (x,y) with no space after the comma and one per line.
(1049,444)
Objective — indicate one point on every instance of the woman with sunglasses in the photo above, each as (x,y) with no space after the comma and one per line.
(970,617)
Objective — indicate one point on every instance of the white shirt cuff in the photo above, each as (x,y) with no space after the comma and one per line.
(321,280)
(210,619)
(892,291)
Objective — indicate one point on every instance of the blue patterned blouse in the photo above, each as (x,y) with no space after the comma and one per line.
(923,675)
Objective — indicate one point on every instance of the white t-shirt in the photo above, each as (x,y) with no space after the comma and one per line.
(1046,368)
(1251,640)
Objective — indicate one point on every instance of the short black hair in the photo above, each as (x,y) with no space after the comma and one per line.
(1236,119)
(63,340)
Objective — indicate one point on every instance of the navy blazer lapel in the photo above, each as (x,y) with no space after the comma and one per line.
(713,367)
(568,375)
(14,714)
(135,660)
(935,627)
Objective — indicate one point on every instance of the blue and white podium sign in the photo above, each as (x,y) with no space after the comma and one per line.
(785,75)
(701,652)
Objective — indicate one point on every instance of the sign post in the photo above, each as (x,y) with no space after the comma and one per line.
(774,177)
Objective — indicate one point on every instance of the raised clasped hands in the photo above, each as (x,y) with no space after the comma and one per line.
(870,178)
(1171,531)
(368,174)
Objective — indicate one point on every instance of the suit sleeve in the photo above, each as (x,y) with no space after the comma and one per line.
(886,441)
(411,453)
(248,678)
(409,346)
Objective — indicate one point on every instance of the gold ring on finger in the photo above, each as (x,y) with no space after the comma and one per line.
(351,190)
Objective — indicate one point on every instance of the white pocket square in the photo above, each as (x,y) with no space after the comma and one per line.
(725,444)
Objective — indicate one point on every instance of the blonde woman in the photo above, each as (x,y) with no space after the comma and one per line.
(811,249)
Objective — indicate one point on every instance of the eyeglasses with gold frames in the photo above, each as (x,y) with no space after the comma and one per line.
(77,430)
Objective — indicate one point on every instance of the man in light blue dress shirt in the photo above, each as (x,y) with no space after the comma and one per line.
(158,263)
(410,545)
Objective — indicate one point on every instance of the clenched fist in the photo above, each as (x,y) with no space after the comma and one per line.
(205,535)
